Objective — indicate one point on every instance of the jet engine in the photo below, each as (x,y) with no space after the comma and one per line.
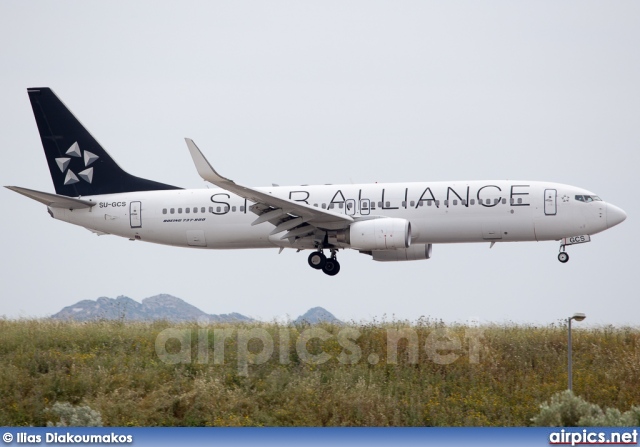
(414,253)
(377,234)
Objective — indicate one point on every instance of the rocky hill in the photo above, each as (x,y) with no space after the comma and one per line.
(317,315)
(159,307)
(166,307)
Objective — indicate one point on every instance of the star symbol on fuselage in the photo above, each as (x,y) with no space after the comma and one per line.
(64,162)
(565,198)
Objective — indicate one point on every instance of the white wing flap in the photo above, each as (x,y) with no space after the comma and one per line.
(268,215)
(309,214)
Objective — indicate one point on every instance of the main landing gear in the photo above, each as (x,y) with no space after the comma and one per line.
(319,261)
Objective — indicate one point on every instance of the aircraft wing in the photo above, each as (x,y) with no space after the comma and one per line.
(53,200)
(296,217)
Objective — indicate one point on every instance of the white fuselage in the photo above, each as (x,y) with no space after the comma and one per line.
(439,212)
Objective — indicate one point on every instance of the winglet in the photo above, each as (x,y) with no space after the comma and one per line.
(205,170)
(306,212)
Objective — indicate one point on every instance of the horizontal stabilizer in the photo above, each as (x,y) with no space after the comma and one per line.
(99,233)
(53,200)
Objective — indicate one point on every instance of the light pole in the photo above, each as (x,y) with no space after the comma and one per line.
(577,317)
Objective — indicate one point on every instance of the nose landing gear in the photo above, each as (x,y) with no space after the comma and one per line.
(319,261)
(563,257)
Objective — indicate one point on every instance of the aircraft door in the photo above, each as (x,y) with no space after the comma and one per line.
(350,206)
(491,230)
(365,207)
(135,216)
(196,238)
(550,202)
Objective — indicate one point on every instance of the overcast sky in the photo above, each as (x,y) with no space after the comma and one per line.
(329,92)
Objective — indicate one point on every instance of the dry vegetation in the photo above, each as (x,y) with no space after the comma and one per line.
(113,368)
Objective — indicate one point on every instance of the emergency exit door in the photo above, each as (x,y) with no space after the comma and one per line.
(134,215)
(550,202)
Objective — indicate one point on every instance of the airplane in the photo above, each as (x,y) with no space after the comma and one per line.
(387,221)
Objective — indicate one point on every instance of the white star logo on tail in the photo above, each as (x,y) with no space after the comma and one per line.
(64,162)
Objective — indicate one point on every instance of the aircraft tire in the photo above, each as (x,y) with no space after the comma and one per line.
(317,260)
(331,267)
(563,257)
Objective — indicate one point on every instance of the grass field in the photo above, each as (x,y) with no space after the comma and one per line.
(159,374)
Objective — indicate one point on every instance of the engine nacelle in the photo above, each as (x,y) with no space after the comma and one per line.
(414,253)
(380,234)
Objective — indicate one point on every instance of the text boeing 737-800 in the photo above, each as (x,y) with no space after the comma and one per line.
(390,222)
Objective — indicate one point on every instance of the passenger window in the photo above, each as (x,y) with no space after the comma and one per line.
(437,203)
(164,211)
(331,206)
(324,206)
(217,209)
(202,210)
(455,202)
(226,208)
(404,204)
(242,209)
(211,209)
(179,210)
(429,203)
(195,209)
(340,205)
(364,205)
(520,200)
(187,210)
(388,204)
(233,209)
(504,201)
(316,205)
(379,204)
(464,202)
(172,210)
(473,201)
(446,203)
(412,203)
(373,205)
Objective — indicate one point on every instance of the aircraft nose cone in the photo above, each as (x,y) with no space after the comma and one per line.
(615,215)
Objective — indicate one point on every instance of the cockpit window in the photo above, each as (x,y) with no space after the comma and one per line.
(583,198)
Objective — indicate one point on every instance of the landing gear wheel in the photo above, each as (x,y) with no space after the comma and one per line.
(331,267)
(563,257)
(317,260)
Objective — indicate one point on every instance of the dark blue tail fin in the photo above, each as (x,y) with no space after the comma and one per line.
(79,166)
